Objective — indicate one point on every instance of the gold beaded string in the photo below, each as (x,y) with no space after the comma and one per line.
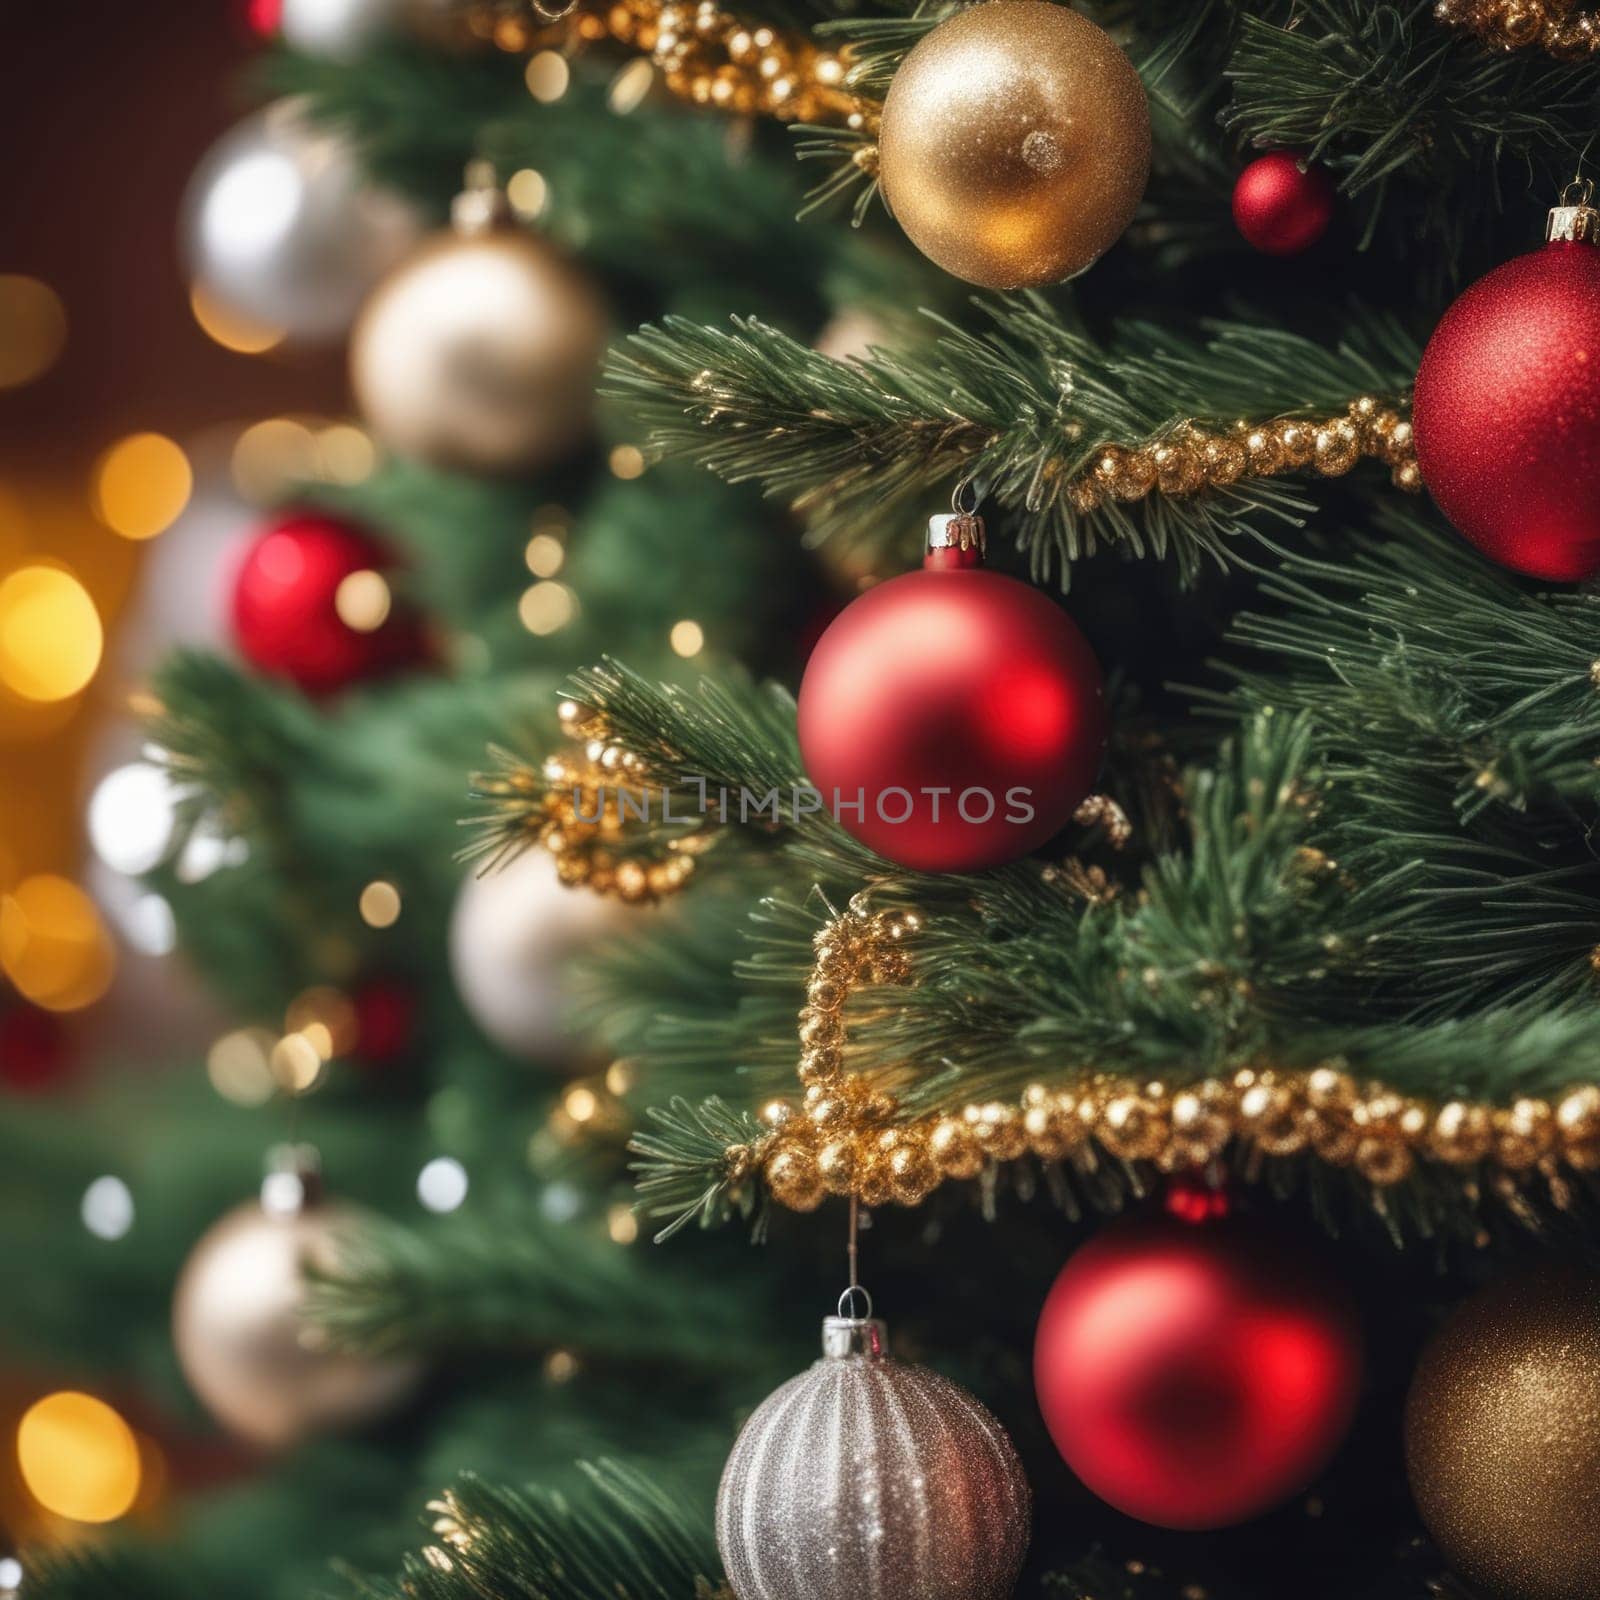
(577,806)
(705,55)
(1555,26)
(844,1137)
(1190,458)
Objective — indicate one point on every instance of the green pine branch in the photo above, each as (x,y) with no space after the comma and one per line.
(864,449)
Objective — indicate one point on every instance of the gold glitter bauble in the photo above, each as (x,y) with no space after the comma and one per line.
(480,353)
(1015,144)
(263,1372)
(1503,1436)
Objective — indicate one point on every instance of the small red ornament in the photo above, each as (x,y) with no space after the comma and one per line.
(1281,205)
(34,1054)
(386,1016)
(1507,405)
(294,616)
(952,718)
(1194,1375)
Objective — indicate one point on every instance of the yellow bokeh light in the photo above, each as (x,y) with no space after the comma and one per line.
(141,485)
(630,86)
(346,454)
(296,1063)
(546,607)
(620,1077)
(53,945)
(323,1014)
(528,192)
(627,461)
(622,1225)
(233,332)
(50,634)
(581,1104)
(547,76)
(362,601)
(33,329)
(561,1366)
(79,1459)
(544,555)
(272,455)
(380,904)
(240,1068)
(687,638)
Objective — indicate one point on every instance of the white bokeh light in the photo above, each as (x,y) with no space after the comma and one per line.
(130,817)
(107,1212)
(442,1184)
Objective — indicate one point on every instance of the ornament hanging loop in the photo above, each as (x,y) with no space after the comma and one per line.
(482,204)
(956,538)
(1575,220)
(855,1304)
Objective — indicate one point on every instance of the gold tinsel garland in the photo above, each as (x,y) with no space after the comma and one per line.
(846,1137)
(1190,458)
(1555,26)
(578,806)
(705,55)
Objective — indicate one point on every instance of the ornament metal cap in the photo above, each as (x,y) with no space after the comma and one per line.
(1576,219)
(959,531)
(482,204)
(847,1335)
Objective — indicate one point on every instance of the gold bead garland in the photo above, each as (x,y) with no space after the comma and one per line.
(706,55)
(577,814)
(1190,458)
(844,1137)
(1555,26)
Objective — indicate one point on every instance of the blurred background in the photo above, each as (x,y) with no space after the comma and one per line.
(132,450)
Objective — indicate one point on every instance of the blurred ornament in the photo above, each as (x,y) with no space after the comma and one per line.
(1282,204)
(263,1372)
(311,604)
(1015,144)
(340,30)
(1507,410)
(282,230)
(866,1477)
(1503,1436)
(481,352)
(1195,1376)
(962,709)
(34,1053)
(385,1020)
(511,935)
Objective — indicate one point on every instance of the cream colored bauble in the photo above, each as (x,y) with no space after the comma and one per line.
(511,936)
(481,353)
(263,1372)
(1015,143)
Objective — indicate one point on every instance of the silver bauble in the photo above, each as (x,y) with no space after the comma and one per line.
(282,230)
(481,353)
(511,935)
(340,30)
(865,1478)
(262,1371)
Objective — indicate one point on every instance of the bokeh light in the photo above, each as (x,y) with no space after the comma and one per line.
(544,555)
(131,817)
(380,904)
(442,1185)
(227,328)
(53,945)
(546,608)
(363,601)
(528,193)
(79,1459)
(33,329)
(107,1208)
(627,461)
(547,76)
(50,634)
(687,638)
(141,485)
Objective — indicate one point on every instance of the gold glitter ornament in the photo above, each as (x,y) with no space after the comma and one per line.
(866,1476)
(1014,146)
(1503,1436)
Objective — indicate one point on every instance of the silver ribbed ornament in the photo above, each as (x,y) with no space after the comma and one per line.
(866,1477)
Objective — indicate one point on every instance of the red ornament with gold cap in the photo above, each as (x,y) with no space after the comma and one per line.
(952,719)
(1507,406)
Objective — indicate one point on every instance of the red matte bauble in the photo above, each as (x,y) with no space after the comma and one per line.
(286,606)
(1281,205)
(1507,413)
(1195,1375)
(952,719)
(386,1019)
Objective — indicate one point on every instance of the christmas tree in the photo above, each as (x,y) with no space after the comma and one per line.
(1024,712)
